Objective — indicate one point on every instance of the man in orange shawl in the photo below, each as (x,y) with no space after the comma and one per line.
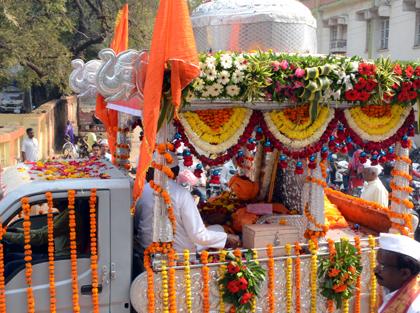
(398,271)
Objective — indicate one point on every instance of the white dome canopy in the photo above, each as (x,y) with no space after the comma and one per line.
(240,25)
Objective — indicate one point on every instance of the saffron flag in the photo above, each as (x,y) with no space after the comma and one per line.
(119,43)
(173,44)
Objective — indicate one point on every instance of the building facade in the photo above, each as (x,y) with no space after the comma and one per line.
(368,28)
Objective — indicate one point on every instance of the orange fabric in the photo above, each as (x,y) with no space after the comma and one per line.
(243,188)
(173,42)
(405,296)
(241,217)
(119,43)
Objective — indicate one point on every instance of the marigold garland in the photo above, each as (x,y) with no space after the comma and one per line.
(2,282)
(345,306)
(94,251)
(50,218)
(312,234)
(403,159)
(167,199)
(289,273)
(323,167)
(401,174)
(205,271)
(332,252)
(406,189)
(372,259)
(222,270)
(271,283)
(172,285)
(313,276)
(73,251)
(28,253)
(297,277)
(254,299)
(165,289)
(359,279)
(187,279)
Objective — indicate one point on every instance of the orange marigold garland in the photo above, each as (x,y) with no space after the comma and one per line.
(270,291)
(51,269)
(28,254)
(297,277)
(359,279)
(2,282)
(332,251)
(166,197)
(150,278)
(312,234)
(73,251)
(94,251)
(172,285)
(313,277)
(206,279)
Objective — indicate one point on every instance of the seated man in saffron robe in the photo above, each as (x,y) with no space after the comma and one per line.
(373,189)
(397,270)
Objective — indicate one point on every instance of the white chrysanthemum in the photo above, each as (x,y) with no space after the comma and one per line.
(226,61)
(211,75)
(224,77)
(202,66)
(237,76)
(240,63)
(216,89)
(198,84)
(189,96)
(232,90)
(210,62)
(206,92)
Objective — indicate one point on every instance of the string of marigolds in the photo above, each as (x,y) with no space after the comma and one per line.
(289,273)
(172,287)
(297,277)
(165,289)
(314,267)
(94,251)
(28,254)
(313,234)
(167,199)
(187,278)
(51,269)
(222,270)
(332,253)
(150,277)
(372,259)
(2,282)
(205,272)
(270,290)
(359,279)
(254,299)
(73,251)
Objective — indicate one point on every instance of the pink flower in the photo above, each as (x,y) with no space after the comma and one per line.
(276,66)
(299,72)
(284,65)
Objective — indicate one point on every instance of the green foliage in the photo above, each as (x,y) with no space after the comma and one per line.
(339,273)
(38,39)
(242,281)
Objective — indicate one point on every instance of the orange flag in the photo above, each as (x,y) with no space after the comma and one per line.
(119,43)
(173,44)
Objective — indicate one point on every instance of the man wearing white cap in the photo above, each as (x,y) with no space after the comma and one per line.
(397,270)
(191,232)
(373,189)
(103,143)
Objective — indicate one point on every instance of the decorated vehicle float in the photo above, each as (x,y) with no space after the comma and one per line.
(276,117)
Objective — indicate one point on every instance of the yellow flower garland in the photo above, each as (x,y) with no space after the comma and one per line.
(222,271)
(254,299)
(314,269)
(372,258)
(288,279)
(377,125)
(187,276)
(165,288)
(212,136)
(295,131)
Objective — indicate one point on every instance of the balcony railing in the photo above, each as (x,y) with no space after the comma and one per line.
(339,45)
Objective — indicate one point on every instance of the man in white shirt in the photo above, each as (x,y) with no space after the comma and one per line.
(397,271)
(373,189)
(191,233)
(30,147)
(105,149)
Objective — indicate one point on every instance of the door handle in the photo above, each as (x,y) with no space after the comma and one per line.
(87,289)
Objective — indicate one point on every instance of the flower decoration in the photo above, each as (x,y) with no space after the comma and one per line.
(359,278)
(241,281)
(28,253)
(206,280)
(313,247)
(165,290)
(222,270)
(187,278)
(51,267)
(94,251)
(73,251)
(271,283)
(339,272)
(372,259)
(2,280)
(297,249)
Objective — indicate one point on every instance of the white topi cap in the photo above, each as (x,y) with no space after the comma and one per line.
(377,168)
(103,142)
(400,244)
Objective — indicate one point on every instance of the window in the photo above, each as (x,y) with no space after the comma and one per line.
(334,33)
(384,26)
(417,39)
(368,34)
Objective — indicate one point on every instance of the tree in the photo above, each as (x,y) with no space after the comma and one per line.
(39,38)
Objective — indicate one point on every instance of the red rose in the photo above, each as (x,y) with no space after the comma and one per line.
(397,69)
(351,95)
(243,283)
(233,269)
(409,71)
(246,297)
(233,286)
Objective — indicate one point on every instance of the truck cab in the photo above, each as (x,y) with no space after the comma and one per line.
(114,236)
